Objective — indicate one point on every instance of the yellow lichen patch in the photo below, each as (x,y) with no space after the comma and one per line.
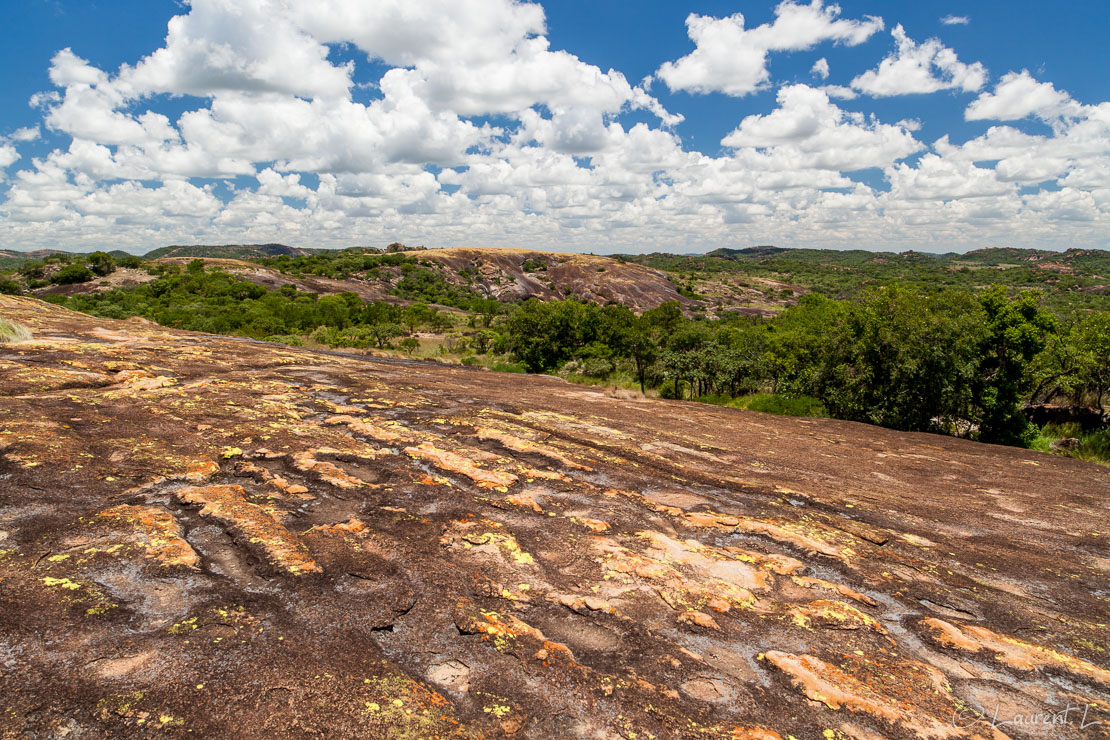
(159,533)
(393,705)
(61,583)
(453,463)
(899,699)
(228,504)
(328,472)
(518,444)
(828,614)
(505,542)
(1013,652)
(382,434)
(821,585)
(469,534)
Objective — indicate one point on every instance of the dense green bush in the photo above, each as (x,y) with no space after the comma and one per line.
(70,274)
(770,403)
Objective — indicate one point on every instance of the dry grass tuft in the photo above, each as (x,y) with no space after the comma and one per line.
(11,332)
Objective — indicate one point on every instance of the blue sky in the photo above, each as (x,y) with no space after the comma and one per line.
(592,126)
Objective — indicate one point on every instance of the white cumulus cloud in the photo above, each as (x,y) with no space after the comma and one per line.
(456,122)
(732,59)
(920,68)
(1017,95)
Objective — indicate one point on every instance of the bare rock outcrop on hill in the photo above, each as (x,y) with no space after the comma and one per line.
(206,534)
(510,274)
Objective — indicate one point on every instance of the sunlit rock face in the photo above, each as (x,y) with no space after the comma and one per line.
(217,535)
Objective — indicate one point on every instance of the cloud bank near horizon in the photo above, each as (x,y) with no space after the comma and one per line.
(455,122)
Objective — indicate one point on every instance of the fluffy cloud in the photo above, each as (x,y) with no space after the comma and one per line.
(1017,95)
(731,59)
(456,122)
(8,155)
(27,133)
(955,20)
(920,68)
(810,132)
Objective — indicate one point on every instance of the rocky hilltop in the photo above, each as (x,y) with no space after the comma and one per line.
(206,535)
(508,275)
(516,274)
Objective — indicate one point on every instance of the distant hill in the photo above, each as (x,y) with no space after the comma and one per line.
(10,258)
(229,251)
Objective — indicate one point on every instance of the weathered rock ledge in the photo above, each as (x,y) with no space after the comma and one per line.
(205,534)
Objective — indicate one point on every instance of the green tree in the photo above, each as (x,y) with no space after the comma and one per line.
(488,309)
(1016,331)
(101,263)
(900,359)
(70,274)
(384,333)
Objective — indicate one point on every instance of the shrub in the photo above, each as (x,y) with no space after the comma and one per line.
(508,367)
(597,367)
(672,389)
(292,340)
(70,274)
(9,287)
(771,403)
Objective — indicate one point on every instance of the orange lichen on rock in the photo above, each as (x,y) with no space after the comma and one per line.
(453,463)
(787,532)
(701,619)
(201,469)
(141,380)
(525,499)
(582,603)
(1013,652)
(836,689)
(382,434)
(594,525)
(679,591)
(503,629)
(707,561)
(518,444)
(754,733)
(328,472)
(229,505)
(159,533)
(351,526)
(836,615)
(784,565)
(840,588)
